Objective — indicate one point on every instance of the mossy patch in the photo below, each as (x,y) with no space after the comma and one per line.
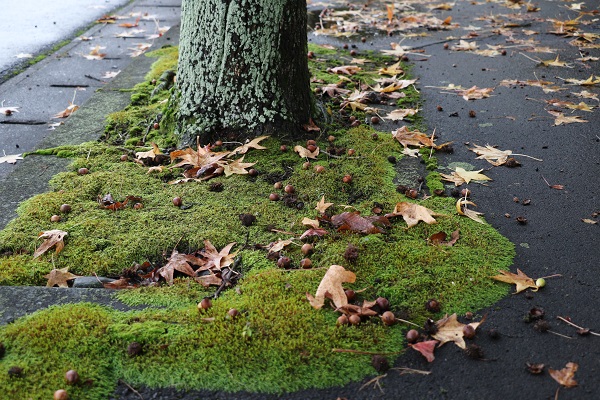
(278,343)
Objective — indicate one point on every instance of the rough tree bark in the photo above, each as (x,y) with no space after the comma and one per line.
(242,69)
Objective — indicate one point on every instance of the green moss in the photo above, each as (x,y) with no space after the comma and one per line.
(278,343)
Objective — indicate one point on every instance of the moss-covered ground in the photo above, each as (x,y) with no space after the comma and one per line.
(278,343)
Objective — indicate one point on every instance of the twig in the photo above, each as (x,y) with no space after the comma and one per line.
(404,370)
(130,388)
(407,322)
(576,326)
(374,382)
(551,276)
(432,136)
(559,334)
(371,353)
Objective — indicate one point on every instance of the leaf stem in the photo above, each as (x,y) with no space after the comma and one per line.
(576,326)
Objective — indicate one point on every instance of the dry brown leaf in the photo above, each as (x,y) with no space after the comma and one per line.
(253,144)
(495,156)
(59,277)
(413,213)
(392,70)
(463,45)
(53,238)
(589,221)
(400,114)
(440,238)
(278,245)
(313,223)
(67,111)
(561,119)
(150,153)
(196,158)
(305,153)
(179,262)
(236,167)
(426,348)
(565,376)
(217,259)
(412,138)
(475,93)
(362,311)
(322,205)
(450,330)
(460,176)
(331,287)
(461,209)
(520,279)
(345,70)
(352,221)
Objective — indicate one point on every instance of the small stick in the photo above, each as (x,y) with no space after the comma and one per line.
(559,334)
(407,322)
(432,136)
(130,388)
(551,276)
(404,370)
(375,382)
(576,326)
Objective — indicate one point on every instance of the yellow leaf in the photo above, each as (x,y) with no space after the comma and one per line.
(520,279)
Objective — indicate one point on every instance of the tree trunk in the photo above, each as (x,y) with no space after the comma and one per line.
(242,69)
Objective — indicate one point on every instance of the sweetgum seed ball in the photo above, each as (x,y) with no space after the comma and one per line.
(72,377)
(412,336)
(61,394)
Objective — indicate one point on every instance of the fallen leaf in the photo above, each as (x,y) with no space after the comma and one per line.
(412,138)
(200,158)
(313,223)
(465,176)
(313,232)
(463,45)
(53,238)
(236,167)
(8,110)
(400,114)
(490,154)
(440,238)
(352,221)
(413,213)
(392,70)
(520,279)
(475,93)
(566,375)
(179,262)
(110,74)
(345,70)
(461,209)
(278,245)
(253,144)
(67,111)
(331,287)
(589,221)
(59,277)
(587,82)
(11,158)
(311,126)
(217,259)
(362,311)
(95,53)
(561,119)
(150,153)
(305,153)
(450,330)
(322,205)
(426,348)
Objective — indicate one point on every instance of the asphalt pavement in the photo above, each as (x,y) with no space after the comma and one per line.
(554,239)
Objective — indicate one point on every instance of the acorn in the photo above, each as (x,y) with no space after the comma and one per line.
(61,394)
(351,152)
(432,305)
(306,249)
(306,165)
(363,39)
(134,349)
(305,263)
(204,304)
(345,46)
(412,336)
(284,262)
(218,143)
(72,377)
(342,320)
(465,193)
(353,53)
(347,178)
(156,126)
(330,138)
(277,185)
(319,169)
(469,315)
(311,142)
(350,294)
(283,148)
(273,197)
(388,318)
(55,218)
(65,208)
(177,201)
(124,157)
(289,189)
(233,313)
(383,303)
(375,120)
(311,54)
(412,193)
(252,172)
(311,147)
(468,331)
(354,319)
(83,171)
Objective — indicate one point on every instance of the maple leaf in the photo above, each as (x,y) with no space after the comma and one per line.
(333,89)
(217,259)
(581,106)
(196,158)
(139,49)
(179,262)
(253,144)
(490,154)
(410,152)
(412,138)
(121,283)
(362,311)
(311,126)
(53,238)
(150,153)
(95,53)
(587,82)
(461,209)
(566,375)
(305,153)
(394,85)
(322,206)
(400,114)
(562,119)
(463,45)
(313,223)
(352,221)
(391,70)
(586,95)
(345,70)
(59,277)
(313,232)
(425,348)
(331,287)
(450,330)
(440,238)
(110,74)
(278,245)
(130,24)
(413,213)
(236,167)
(460,176)
(11,158)
(475,93)
(520,279)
